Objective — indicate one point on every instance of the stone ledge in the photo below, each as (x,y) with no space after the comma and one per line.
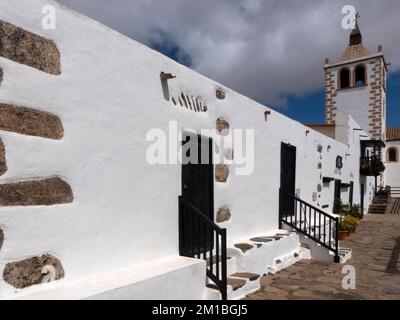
(30,122)
(36,193)
(32,50)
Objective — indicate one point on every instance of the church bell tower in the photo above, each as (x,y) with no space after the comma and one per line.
(356,84)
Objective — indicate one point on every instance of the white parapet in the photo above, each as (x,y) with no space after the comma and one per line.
(174,278)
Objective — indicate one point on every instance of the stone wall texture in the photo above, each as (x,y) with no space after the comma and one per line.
(375,115)
(30,122)
(330,97)
(33,271)
(1,238)
(3,162)
(36,193)
(29,49)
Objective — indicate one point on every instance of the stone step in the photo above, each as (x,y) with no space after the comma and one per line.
(233,282)
(245,275)
(244,247)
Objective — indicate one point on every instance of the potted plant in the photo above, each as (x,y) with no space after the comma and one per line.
(351,223)
(343,230)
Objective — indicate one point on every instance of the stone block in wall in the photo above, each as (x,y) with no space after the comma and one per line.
(3,162)
(32,50)
(220,93)
(33,271)
(221,173)
(223,214)
(222,127)
(1,238)
(36,193)
(30,122)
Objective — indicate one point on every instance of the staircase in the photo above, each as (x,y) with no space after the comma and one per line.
(379,203)
(311,222)
(252,257)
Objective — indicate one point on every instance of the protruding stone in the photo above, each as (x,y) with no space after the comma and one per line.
(221,173)
(1,238)
(1,75)
(319,187)
(30,122)
(29,49)
(222,127)
(3,162)
(36,193)
(220,93)
(33,271)
(319,148)
(319,166)
(224,214)
(244,247)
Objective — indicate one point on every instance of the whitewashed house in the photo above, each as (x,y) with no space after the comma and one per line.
(392,161)
(85,215)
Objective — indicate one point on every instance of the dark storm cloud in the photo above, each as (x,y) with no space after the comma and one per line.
(265,49)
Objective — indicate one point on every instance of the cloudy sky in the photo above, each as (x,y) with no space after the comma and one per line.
(270,50)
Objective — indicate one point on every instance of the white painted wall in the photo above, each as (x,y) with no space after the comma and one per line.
(392,172)
(109,96)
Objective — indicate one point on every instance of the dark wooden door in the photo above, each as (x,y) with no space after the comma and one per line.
(338,187)
(288,177)
(198,190)
(351,193)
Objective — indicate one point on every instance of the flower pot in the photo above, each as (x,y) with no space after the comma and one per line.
(342,235)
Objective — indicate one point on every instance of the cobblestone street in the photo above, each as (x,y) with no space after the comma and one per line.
(376,251)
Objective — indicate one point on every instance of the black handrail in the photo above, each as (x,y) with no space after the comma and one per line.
(295,212)
(198,238)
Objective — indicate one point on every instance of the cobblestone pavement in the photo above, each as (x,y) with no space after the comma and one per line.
(376,252)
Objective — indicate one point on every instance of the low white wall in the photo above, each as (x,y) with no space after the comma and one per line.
(175,278)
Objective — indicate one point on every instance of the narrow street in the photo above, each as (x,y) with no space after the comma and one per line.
(376,259)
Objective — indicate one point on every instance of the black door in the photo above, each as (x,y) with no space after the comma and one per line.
(337,194)
(351,193)
(288,177)
(198,191)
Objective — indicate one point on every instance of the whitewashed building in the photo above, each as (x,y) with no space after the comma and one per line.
(85,215)
(392,161)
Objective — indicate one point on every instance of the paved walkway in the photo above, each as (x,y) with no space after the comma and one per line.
(376,258)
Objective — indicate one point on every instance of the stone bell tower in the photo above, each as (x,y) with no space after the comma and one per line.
(356,84)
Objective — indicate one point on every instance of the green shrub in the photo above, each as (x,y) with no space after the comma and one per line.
(355,211)
(338,206)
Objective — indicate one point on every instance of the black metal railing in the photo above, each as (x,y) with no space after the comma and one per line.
(201,238)
(366,161)
(317,225)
